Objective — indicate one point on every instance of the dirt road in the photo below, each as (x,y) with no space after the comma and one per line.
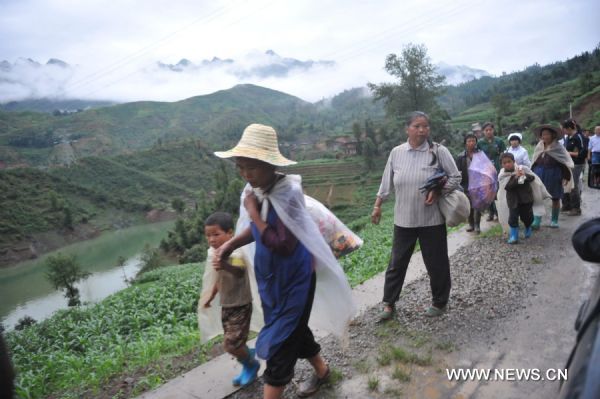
(512,311)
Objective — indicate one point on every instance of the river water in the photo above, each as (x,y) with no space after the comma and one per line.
(24,289)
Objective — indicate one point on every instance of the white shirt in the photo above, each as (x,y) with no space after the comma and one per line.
(594,145)
(521,155)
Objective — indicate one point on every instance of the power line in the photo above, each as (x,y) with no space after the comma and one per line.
(147,65)
(128,59)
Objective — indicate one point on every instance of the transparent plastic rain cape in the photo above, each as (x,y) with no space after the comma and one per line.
(539,195)
(209,319)
(333,306)
(312,224)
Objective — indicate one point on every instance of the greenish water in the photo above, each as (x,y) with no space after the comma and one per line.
(24,289)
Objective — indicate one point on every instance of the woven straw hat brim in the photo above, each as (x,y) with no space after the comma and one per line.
(258,142)
(255,153)
(552,128)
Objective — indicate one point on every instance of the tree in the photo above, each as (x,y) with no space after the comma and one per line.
(178,205)
(418,84)
(501,104)
(357,133)
(369,150)
(68,218)
(121,260)
(63,272)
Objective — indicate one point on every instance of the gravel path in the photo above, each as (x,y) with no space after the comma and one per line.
(489,281)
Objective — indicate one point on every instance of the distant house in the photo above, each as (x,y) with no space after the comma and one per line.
(345,144)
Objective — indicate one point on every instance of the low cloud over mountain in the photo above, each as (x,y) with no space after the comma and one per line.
(124,81)
(457,74)
(29,79)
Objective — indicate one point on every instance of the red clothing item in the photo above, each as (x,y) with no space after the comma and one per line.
(279,239)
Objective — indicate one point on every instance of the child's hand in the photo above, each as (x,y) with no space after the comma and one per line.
(223,252)
(216,264)
(207,304)
(250,202)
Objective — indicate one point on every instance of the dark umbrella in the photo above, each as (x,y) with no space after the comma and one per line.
(435,182)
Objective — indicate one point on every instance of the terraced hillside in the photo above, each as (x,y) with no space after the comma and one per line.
(345,186)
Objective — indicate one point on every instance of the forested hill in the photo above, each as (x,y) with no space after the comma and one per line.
(216,119)
(101,192)
(532,79)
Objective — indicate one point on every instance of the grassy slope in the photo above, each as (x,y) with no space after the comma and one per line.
(215,119)
(95,186)
(546,106)
(138,330)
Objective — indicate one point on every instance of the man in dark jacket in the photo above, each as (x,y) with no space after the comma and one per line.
(492,146)
(462,162)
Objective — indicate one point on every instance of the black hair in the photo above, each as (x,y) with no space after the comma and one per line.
(570,124)
(420,114)
(507,155)
(486,124)
(469,136)
(512,137)
(221,219)
(414,115)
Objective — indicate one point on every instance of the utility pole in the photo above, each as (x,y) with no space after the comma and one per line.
(571,110)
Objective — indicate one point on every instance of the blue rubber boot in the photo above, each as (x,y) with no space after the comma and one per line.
(537,221)
(237,380)
(513,236)
(554,221)
(528,231)
(250,370)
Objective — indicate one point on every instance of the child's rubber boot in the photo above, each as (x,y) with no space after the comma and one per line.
(528,231)
(554,221)
(537,221)
(237,380)
(250,370)
(513,236)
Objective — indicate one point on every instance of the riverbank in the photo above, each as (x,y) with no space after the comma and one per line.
(26,290)
(38,244)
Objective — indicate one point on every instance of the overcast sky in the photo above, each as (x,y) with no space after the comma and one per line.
(115,45)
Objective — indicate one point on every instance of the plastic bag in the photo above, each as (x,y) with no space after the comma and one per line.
(455,207)
(340,238)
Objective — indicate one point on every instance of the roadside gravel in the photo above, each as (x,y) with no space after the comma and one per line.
(490,279)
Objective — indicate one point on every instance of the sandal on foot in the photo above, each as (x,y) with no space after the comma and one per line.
(387,313)
(434,311)
(312,385)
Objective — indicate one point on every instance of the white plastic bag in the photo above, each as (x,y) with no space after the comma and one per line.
(340,238)
(455,207)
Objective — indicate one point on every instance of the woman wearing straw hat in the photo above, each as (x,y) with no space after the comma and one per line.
(287,250)
(553,164)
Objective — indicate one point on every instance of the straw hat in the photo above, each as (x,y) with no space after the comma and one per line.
(556,130)
(258,142)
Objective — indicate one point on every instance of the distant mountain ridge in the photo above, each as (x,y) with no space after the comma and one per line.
(262,65)
(28,79)
(457,74)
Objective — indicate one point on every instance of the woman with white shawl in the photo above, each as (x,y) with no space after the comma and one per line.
(553,164)
(290,255)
